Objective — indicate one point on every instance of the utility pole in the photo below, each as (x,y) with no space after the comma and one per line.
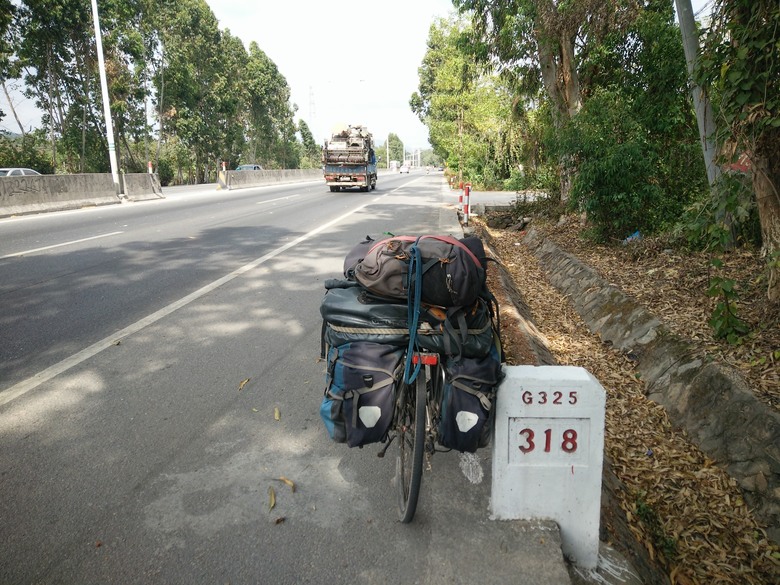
(700,101)
(106,103)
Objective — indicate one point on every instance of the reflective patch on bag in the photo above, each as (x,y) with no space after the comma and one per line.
(466,420)
(369,415)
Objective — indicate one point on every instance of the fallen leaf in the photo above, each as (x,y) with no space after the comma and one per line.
(277,414)
(254,410)
(288,482)
(271,498)
(118,342)
(279,520)
(242,384)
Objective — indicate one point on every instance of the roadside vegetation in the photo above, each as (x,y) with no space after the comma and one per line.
(585,109)
(589,102)
(211,99)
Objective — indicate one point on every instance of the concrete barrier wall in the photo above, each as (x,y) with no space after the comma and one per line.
(244,179)
(34,194)
(40,193)
(142,186)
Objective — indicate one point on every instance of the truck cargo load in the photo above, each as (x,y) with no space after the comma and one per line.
(349,160)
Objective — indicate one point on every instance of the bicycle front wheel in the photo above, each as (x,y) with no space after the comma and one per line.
(411,446)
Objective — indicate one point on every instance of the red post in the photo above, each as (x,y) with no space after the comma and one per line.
(467,189)
(149,167)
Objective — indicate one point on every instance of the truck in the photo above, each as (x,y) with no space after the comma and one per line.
(349,160)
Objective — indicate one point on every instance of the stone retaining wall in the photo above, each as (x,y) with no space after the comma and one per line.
(711,402)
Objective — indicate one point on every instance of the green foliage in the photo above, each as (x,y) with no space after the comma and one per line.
(616,183)
(539,205)
(725,321)
(26,151)
(665,544)
(467,109)
(539,178)
(741,60)
(725,215)
(219,101)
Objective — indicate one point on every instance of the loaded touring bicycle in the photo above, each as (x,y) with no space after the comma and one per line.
(411,340)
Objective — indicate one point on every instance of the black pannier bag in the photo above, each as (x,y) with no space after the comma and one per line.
(467,402)
(361,383)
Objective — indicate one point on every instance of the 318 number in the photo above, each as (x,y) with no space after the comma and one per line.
(568,440)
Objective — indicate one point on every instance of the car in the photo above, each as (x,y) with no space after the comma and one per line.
(249,168)
(404,169)
(17,172)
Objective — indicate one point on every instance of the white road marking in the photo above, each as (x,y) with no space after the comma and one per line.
(278,199)
(58,245)
(25,386)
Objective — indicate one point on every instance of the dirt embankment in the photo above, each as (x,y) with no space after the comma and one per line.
(669,504)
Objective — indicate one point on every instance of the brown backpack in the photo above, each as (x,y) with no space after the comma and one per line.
(452,274)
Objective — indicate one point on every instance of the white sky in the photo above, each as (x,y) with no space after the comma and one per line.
(346,62)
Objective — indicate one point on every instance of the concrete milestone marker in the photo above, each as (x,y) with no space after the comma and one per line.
(548,453)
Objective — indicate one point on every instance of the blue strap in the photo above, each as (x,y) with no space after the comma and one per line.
(414,300)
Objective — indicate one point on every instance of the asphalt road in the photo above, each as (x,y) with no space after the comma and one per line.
(159,372)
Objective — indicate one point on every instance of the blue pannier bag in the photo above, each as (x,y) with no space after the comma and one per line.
(467,401)
(361,380)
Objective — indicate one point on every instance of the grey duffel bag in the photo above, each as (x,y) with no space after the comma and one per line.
(354,314)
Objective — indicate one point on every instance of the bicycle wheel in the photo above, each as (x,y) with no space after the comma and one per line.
(411,437)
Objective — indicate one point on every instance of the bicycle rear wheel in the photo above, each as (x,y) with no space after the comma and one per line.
(411,446)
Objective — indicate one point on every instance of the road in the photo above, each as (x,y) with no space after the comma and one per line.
(132,447)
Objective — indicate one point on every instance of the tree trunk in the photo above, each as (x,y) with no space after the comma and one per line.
(766,186)
(701,103)
(13,110)
(570,78)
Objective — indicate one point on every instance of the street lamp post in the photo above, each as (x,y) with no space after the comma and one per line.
(106,104)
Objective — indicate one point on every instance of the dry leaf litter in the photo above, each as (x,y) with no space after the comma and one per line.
(688,513)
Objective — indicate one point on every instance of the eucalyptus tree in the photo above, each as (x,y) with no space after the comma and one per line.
(467,109)
(7,42)
(190,43)
(55,53)
(271,129)
(310,150)
(538,45)
(634,141)
(740,65)
(447,77)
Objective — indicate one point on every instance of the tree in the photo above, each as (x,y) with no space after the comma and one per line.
(740,65)
(311,152)
(540,43)
(634,141)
